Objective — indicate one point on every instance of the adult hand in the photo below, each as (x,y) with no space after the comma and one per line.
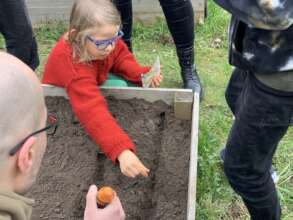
(131,166)
(112,211)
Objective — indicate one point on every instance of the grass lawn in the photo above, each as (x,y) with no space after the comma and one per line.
(215,198)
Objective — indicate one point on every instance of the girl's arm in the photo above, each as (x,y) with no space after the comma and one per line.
(126,65)
(91,109)
(89,105)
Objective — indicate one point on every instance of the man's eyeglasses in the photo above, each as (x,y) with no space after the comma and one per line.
(103,44)
(51,128)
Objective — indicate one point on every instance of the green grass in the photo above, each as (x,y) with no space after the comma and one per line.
(215,198)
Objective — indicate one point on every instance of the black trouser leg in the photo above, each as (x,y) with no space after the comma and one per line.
(125,9)
(17,30)
(235,87)
(180,19)
(262,116)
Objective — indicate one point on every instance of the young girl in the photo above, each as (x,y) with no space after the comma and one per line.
(80,62)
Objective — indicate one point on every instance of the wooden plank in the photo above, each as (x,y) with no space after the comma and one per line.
(183,106)
(183,99)
(54,91)
(149,94)
(191,200)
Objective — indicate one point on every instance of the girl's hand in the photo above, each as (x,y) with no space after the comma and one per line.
(156,80)
(131,166)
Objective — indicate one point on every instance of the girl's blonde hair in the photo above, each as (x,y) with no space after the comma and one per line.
(86,17)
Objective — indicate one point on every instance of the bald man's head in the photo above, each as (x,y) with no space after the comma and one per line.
(21,101)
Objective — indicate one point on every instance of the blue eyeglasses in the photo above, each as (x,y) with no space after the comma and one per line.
(103,44)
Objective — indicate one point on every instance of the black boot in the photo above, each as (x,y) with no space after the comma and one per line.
(189,74)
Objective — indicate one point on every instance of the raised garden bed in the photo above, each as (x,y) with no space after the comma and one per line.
(163,142)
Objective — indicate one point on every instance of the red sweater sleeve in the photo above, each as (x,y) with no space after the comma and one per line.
(125,65)
(91,108)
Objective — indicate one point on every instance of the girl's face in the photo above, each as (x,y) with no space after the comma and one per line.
(100,50)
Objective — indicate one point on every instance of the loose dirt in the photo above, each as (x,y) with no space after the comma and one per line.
(72,163)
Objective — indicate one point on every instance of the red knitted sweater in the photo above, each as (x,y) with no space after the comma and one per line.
(82,80)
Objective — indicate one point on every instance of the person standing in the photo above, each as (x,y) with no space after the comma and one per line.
(260,95)
(17,30)
(180,19)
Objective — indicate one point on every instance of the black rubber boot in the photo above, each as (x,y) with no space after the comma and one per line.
(189,74)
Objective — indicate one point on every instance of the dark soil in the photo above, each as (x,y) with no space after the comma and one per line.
(71,164)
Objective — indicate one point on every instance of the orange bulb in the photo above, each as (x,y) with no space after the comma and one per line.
(105,195)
